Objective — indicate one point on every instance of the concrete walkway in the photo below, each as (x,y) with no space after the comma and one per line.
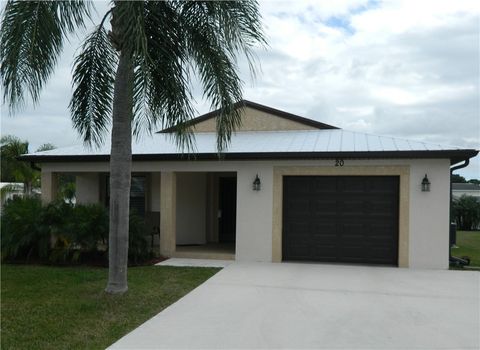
(262,305)
(181,262)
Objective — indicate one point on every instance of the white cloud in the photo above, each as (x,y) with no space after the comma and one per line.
(401,68)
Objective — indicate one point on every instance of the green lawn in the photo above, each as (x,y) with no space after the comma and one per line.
(468,243)
(65,308)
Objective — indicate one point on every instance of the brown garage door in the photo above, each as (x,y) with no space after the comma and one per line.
(351,219)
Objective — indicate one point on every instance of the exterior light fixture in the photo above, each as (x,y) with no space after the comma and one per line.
(256,183)
(425,184)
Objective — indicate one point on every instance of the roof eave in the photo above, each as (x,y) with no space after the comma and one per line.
(455,156)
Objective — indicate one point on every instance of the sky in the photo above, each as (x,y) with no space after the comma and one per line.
(400,68)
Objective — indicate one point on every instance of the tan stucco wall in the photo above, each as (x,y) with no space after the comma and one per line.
(168,215)
(427,214)
(49,185)
(255,120)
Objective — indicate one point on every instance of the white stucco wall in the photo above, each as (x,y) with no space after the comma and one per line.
(428,214)
(87,188)
(254,214)
(191,208)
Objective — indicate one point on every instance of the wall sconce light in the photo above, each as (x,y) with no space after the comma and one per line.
(256,183)
(425,184)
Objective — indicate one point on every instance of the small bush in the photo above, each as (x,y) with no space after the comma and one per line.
(78,230)
(24,233)
(64,233)
(138,246)
(88,226)
(56,216)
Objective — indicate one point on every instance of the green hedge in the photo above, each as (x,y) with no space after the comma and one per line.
(63,233)
(466,212)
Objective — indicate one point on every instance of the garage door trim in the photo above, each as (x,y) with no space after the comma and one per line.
(403,171)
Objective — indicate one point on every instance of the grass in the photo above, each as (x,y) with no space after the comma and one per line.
(46,307)
(468,243)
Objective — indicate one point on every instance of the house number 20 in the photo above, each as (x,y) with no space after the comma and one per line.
(339,162)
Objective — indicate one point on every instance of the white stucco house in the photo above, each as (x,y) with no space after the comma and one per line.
(287,189)
(9,190)
(467,189)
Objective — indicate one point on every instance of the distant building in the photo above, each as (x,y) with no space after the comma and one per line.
(10,190)
(469,189)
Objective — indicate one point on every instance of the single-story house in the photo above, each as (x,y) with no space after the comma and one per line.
(10,190)
(468,189)
(287,189)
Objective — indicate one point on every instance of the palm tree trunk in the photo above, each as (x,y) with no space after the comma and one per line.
(120,173)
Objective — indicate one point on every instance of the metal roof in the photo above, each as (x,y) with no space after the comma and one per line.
(458,186)
(325,143)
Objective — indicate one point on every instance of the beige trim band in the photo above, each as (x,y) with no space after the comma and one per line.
(403,171)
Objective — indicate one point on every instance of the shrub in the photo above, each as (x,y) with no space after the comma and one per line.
(138,245)
(56,215)
(24,233)
(466,211)
(78,232)
(88,226)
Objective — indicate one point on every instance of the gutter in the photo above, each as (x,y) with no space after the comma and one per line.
(466,162)
(455,156)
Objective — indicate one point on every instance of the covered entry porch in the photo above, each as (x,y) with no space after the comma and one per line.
(202,206)
(187,214)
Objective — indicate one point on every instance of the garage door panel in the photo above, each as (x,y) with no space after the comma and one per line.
(347,219)
(322,207)
(322,186)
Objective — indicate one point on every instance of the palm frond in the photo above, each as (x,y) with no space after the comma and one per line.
(162,89)
(215,34)
(45,147)
(12,169)
(31,39)
(93,78)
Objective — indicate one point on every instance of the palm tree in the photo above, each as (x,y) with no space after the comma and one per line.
(14,170)
(136,77)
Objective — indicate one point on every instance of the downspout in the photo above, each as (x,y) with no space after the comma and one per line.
(466,162)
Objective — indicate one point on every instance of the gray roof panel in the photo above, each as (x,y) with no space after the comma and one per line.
(255,142)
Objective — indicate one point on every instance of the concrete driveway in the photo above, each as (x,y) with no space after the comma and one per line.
(287,305)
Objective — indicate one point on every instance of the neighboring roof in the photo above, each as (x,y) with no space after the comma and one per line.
(12,185)
(459,186)
(259,107)
(304,144)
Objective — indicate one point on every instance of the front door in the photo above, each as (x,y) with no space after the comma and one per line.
(227,209)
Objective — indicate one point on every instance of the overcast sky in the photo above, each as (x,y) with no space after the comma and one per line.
(400,68)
